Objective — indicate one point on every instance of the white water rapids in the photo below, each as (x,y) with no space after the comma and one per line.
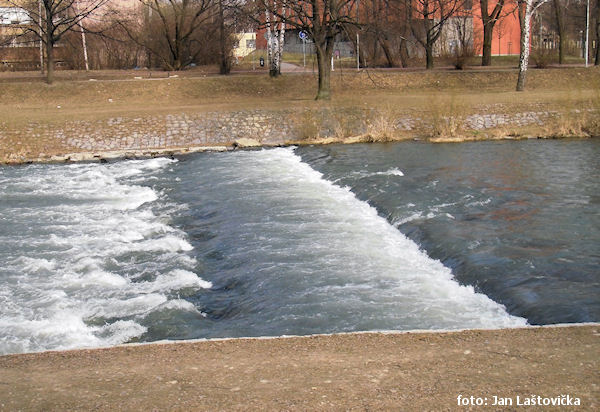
(91,256)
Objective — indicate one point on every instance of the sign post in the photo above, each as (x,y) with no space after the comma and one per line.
(303,36)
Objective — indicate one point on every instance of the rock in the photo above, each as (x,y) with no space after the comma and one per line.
(246,142)
(58,158)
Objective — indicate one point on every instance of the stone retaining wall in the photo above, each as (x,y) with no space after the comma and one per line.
(268,127)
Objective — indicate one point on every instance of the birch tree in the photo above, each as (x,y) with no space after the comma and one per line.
(429,19)
(51,19)
(275,34)
(526,10)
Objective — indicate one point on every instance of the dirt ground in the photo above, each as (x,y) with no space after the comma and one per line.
(364,371)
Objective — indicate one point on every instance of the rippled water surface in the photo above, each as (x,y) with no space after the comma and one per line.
(298,241)
(520,221)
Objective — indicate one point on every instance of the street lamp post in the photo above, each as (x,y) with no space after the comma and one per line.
(357,52)
(587,33)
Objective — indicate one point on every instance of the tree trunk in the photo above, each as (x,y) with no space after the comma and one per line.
(524,20)
(324,53)
(49,50)
(404,53)
(49,63)
(597,62)
(275,67)
(489,21)
(375,55)
(560,23)
(273,54)
(429,56)
(361,58)
(269,43)
(280,41)
(225,62)
(488,32)
(429,42)
(389,56)
(404,56)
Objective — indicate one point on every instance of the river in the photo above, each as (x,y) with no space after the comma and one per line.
(291,241)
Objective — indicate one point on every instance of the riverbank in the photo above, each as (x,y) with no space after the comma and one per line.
(90,118)
(381,371)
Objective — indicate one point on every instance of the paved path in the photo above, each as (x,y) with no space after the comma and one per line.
(293,68)
(410,371)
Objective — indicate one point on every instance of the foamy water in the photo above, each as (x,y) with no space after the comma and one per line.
(84,256)
(215,245)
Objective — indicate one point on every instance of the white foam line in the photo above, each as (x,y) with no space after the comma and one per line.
(317,335)
(368,332)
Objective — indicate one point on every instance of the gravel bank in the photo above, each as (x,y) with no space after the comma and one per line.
(363,371)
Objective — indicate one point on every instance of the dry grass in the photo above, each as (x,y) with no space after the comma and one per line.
(380,129)
(580,115)
(446,114)
(260,88)
(381,126)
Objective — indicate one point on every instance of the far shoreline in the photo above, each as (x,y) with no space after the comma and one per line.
(103,156)
(75,121)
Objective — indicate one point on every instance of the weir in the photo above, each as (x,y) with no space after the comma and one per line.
(250,243)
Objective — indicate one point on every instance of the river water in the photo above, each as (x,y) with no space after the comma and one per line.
(299,240)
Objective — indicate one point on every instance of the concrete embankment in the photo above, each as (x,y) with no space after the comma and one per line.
(363,371)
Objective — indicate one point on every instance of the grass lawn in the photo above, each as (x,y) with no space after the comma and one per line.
(26,101)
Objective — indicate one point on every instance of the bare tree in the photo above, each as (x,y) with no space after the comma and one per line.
(462,26)
(489,21)
(171,28)
(226,7)
(384,27)
(526,10)
(322,21)
(50,20)
(430,16)
(379,24)
(559,13)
